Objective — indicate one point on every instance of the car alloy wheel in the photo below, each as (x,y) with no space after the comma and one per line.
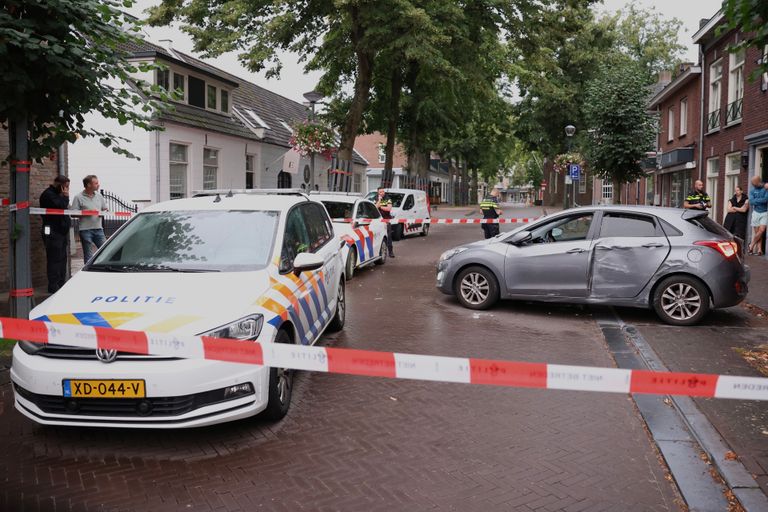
(280,385)
(475,288)
(382,253)
(681,301)
(340,316)
(351,263)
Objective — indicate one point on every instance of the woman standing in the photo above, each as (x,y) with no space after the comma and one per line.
(736,220)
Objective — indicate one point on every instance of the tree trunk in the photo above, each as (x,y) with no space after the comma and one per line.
(616,191)
(396,85)
(418,163)
(473,188)
(464,182)
(19,254)
(362,89)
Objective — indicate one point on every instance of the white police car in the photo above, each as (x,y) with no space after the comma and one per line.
(358,223)
(230,265)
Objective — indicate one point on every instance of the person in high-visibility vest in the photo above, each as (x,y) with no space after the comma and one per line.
(384,204)
(489,206)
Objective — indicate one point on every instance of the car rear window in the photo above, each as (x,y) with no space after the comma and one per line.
(339,210)
(710,225)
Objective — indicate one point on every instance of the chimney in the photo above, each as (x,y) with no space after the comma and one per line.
(702,22)
(665,76)
(168,45)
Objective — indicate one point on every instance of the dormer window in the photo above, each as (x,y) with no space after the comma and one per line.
(162,77)
(179,86)
(196,96)
(224,101)
(211,97)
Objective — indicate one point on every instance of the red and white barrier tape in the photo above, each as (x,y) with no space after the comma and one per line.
(510,220)
(391,364)
(54,211)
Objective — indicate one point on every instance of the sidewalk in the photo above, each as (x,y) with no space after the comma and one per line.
(758,283)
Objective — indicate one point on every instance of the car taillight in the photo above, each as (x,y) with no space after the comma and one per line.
(727,248)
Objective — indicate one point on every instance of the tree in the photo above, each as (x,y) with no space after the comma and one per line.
(751,16)
(621,130)
(58,61)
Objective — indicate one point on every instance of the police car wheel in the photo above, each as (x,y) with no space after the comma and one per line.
(382,253)
(681,300)
(340,316)
(351,263)
(477,288)
(424,229)
(280,386)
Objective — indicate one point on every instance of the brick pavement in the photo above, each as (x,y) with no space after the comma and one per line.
(353,443)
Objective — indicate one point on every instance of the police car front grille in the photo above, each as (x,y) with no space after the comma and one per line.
(123,407)
(65,352)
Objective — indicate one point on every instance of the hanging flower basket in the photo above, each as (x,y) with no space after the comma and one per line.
(560,165)
(312,137)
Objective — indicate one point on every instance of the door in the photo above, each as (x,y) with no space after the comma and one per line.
(628,251)
(556,261)
(367,246)
(325,244)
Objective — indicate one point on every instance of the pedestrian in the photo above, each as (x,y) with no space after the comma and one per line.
(91,232)
(56,232)
(384,204)
(758,200)
(736,220)
(698,199)
(489,206)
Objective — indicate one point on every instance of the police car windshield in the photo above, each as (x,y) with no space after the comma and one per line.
(338,210)
(191,241)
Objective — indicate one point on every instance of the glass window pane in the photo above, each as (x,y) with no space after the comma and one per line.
(210,156)
(626,225)
(211,97)
(178,153)
(178,181)
(161,78)
(196,92)
(209,178)
(178,83)
(224,101)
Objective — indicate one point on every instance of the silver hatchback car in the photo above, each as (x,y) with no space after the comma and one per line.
(678,262)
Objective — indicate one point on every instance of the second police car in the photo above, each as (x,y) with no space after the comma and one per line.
(358,223)
(229,265)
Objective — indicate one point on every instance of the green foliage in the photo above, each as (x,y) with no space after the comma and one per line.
(60,59)
(622,131)
(751,16)
(313,137)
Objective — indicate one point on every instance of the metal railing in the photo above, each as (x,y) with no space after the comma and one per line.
(713,120)
(733,113)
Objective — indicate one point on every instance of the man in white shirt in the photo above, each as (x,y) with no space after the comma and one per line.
(91,231)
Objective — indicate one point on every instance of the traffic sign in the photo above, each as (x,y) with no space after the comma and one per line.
(575,171)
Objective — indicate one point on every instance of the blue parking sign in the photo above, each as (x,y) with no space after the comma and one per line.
(575,171)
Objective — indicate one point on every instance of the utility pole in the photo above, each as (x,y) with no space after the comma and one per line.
(20,276)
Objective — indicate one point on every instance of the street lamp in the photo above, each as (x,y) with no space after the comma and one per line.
(569,131)
(312,97)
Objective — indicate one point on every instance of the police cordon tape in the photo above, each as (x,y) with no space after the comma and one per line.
(428,220)
(390,364)
(55,211)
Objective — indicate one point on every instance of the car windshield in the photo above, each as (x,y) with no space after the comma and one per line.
(191,241)
(338,210)
(397,199)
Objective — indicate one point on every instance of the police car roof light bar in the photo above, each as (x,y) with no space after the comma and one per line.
(250,191)
(332,193)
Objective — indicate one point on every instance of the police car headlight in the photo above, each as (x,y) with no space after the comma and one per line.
(29,347)
(247,328)
(450,254)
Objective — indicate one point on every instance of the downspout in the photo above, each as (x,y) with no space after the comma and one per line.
(702,115)
(157,167)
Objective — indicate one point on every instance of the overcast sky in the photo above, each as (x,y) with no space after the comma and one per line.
(293,82)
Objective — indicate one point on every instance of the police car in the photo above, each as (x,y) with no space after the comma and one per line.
(229,264)
(358,223)
(407,203)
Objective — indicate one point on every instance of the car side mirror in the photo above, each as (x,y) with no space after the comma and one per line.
(306,262)
(359,223)
(520,238)
(557,233)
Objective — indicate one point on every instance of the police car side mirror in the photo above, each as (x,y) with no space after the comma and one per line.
(306,262)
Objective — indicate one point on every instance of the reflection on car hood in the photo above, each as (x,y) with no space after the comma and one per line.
(183,303)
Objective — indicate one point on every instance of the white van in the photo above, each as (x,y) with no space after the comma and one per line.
(407,203)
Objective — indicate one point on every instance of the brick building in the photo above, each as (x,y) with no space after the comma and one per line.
(371,147)
(735,118)
(40,177)
(678,107)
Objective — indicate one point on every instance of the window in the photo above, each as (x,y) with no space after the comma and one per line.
(764,81)
(283,180)
(178,171)
(649,198)
(715,77)
(607,192)
(732,170)
(295,241)
(735,87)
(683,116)
(408,202)
(369,211)
(224,101)
(318,226)
(622,225)
(357,182)
(196,92)
(566,229)
(211,97)
(210,168)
(382,154)
(162,77)
(713,173)
(249,172)
(582,184)
(340,210)
(671,124)
(178,86)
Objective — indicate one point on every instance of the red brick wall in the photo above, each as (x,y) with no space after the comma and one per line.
(368,146)
(730,139)
(692,91)
(40,177)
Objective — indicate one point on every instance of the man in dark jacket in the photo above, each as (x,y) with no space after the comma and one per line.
(56,232)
